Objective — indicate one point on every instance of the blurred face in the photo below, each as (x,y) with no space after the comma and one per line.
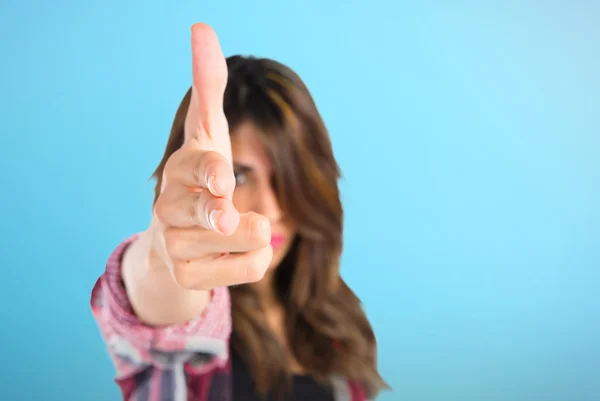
(254,190)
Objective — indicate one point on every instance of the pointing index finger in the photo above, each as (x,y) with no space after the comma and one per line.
(209,74)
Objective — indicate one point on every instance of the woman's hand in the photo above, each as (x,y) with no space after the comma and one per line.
(197,240)
(196,231)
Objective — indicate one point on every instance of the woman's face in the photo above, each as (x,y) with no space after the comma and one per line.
(254,190)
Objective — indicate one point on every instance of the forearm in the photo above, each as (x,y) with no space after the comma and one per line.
(153,293)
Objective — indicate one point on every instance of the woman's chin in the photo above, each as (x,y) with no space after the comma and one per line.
(276,261)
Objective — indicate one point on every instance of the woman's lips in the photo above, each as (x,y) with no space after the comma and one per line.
(277,240)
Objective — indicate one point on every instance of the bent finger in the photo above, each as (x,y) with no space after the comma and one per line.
(253,232)
(223,271)
(197,168)
(179,207)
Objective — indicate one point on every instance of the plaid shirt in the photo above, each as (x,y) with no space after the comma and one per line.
(187,362)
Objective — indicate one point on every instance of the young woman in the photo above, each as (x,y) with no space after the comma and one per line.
(234,292)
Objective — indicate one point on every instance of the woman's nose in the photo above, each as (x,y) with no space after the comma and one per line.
(268,205)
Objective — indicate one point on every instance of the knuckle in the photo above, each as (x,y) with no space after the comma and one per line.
(259,231)
(253,273)
(256,268)
(174,163)
(161,210)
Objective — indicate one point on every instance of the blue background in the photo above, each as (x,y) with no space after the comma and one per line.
(469,139)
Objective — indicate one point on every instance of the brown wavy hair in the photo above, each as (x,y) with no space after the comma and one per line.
(327,329)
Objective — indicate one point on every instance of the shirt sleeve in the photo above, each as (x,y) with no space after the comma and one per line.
(134,346)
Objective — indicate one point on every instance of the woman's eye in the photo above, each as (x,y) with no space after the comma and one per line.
(240,178)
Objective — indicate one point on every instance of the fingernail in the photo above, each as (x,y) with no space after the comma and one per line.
(212,187)
(213,218)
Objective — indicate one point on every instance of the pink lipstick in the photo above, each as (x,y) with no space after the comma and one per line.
(277,240)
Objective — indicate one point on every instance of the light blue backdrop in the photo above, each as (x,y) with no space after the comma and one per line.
(469,139)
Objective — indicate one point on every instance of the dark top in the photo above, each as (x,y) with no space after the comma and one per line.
(304,388)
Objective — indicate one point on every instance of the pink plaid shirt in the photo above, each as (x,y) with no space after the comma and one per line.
(187,362)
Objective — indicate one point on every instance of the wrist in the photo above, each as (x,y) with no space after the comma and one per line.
(152,291)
